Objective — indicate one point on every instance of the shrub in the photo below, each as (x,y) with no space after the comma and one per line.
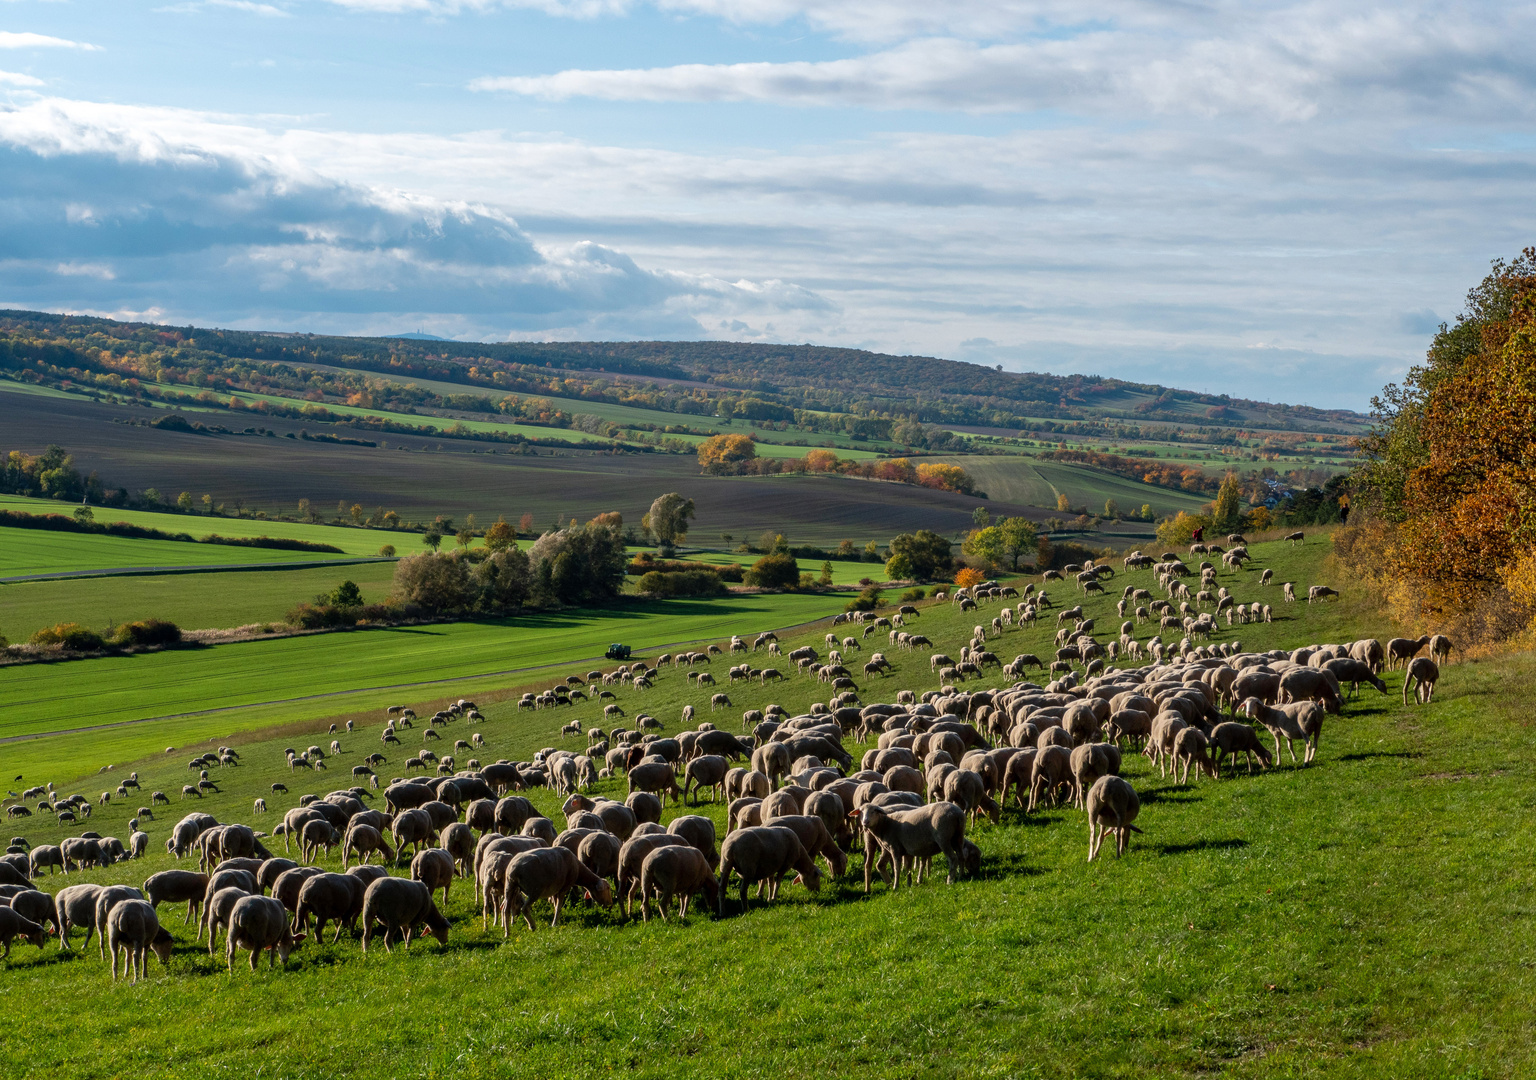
(774,572)
(387,551)
(147,632)
(685,583)
(318,616)
(69,636)
(867,600)
(912,596)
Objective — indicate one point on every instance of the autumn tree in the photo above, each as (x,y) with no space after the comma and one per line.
(500,536)
(718,452)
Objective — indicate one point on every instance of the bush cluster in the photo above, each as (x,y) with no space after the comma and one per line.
(682,583)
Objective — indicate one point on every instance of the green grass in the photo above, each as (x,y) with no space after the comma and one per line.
(263,682)
(193,601)
(34,551)
(352,541)
(1367,916)
(1031,482)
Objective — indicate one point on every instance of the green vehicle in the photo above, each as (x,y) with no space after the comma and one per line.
(617,652)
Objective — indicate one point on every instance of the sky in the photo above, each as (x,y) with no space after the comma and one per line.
(1273,200)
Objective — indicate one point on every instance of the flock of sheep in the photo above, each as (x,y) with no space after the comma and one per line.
(798,803)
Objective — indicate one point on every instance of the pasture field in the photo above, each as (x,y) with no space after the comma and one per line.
(263,683)
(193,601)
(1365,916)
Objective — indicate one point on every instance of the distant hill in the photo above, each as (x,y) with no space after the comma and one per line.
(805,377)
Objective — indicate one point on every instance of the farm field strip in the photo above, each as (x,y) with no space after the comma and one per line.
(27,552)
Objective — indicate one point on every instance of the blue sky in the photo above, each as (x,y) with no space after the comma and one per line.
(1275,200)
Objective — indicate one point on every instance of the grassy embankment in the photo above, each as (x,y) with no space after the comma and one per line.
(1363,917)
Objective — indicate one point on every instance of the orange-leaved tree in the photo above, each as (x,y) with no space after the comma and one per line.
(720,451)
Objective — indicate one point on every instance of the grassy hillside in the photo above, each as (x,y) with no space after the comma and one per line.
(1030,482)
(1328,921)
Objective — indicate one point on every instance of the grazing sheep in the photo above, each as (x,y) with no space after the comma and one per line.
(673,870)
(546,873)
(703,772)
(764,853)
(76,906)
(218,907)
(176,886)
(908,838)
(698,832)
(1112,805)
(1303,720)
(1089,762)
(14,924)
(1051,772)
(1191,747)
(631,862)
(1426,673)
(1230,739)
(400,905)
(1440,648)
(434,868)
(363,840)
(257,923)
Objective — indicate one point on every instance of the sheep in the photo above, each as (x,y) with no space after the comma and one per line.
(908,837)
(315,835)
(656,776)
(400,905)
(1303,720)
(1319,593)
(631,862)
(257,923)
(1112,804)
(217,907)
(674,870)
(36,905)
(107,899)
(1440,648)
(434,868)
(1089,762)
(1051,771)
(175,886)
(1426,673)
(14,924)
(1230,739)
(546,873)
(1191,748)
(362,840)
(764,853)
(1402,650)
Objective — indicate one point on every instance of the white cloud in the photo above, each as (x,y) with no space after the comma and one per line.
(1291,64)
(14,78)
(13,40)
(248,6)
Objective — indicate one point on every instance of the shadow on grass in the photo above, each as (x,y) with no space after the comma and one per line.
(1200,845)
(1369,754)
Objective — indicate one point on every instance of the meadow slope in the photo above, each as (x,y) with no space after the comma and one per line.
(1333,920)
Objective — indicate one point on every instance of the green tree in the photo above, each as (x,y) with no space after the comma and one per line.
(1227,513)
(184,502)
(668,520)
(1147,513)
(826,574)
(84,515)
(465,538)
(581,564)
(774,571)
(985,545)
(981,517)
(345,595)
(304,512)
(1018,539)
(208,505)
(926,554)
(505,578)
(846,550)
(387,551)
(1111,509)
(432,538)
(872,552)
(152,497)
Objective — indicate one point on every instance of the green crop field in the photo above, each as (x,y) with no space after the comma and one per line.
(264,682)
(352,541)
(24,552)
(193,601)
(1365,916)
(1031,482)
